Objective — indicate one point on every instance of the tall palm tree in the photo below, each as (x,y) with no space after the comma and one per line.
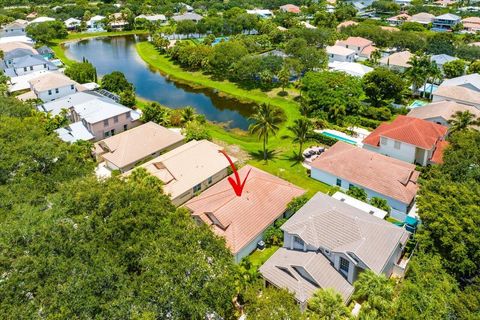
(418,71)
(301,130)
(188,114)
(434,73)
(461,120)
(266,121)
(327,304)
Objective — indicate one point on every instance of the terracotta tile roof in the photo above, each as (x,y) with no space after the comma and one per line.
(241,219)
(133,145)
(422,17)
(388,176)
(290,8)
(367,51)
(437,156)
(400,17)
(414,131)
(345,24)
(355,42)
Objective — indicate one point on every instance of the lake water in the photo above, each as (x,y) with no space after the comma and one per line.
(109,54)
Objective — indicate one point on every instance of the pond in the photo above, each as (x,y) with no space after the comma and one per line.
(109,54)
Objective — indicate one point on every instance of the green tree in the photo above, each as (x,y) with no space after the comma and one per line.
(195,131)
(284,78)
(266,121)
(45,32)
(116,82)
(156,113)
(188,114)
(302,130)
(462,120)
(380,203)
(357,193)
(327,304)
(455,68)
(296,203)
(224,55)
(127,98)
(382,85)
(441,43)
(418,71)
(375,293)
(271,303)
(160,42)
(474,67)
(82,72)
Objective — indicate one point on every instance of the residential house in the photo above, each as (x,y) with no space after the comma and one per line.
(441,59)
(19,62)
(471,24)
(444,3)
(189,169)
(459,94)
(72,23)
(290,8)
(52,86)
(351,68)
(68,102)
(96,22)
(469,81)
(366,53)
(408,139)
(422,18)
(358,44)
(445,22)
(442,111)
(6,47)
(398,61)
(15,28)
(74,132)
(242,220)
(328,244)
(31,15)
(345,165)
(41,20)
(346,24)
(398,19)
(117,21)
(262,13)
(46,52)
(340,53)
(160,18)
(192,16)
(125,150)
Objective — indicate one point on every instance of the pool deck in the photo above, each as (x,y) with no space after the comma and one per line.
(356,140)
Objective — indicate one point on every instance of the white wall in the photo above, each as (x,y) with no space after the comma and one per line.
(62,92)
(22,71)
(405,153)
(12,32)
(336,57)
(332,180)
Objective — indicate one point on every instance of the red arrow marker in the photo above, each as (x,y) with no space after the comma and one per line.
(236,185)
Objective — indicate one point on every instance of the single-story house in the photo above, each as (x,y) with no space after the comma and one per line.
(345,165)
(125,150)
(351,68)
(398,61)
(192,16)
(422,18)
(442,111)
(398,19)
(189,169)
(327,244)
(72,23)
(153,18)
(41,20)
(408,139)
(471,24)
(340,53)
(460,94)
(290,8)
(262,13)
(242,220)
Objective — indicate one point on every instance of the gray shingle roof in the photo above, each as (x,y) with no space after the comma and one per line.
(324,222)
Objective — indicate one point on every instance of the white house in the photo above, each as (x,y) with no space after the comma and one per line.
(408,139)
(327,244)
(41,20)
(358,44)
(345,165)
(16,28)
(20,62)
(72,23)
(52,86)
(160,18)
(262,13)
(95,22)
(341,54)
(351,68)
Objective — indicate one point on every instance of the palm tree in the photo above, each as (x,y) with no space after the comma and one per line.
(375,57)
(375,292)
(188,114)
(327,304)
(434,73)
(301,130)
(461,120)
(266,121)
(418,71)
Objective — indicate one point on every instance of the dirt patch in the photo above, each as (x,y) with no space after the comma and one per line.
(235,151)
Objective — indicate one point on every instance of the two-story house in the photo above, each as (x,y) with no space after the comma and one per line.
(358,44)
(14,29)
(19,62)
(344,165)
(340,53)
(327,244)
(408,139)
(52,86)
(445,22)
(242,220)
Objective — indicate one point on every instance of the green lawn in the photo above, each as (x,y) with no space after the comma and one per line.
(257,258)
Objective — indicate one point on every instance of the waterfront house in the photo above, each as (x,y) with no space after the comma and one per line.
(72,23)
(189,169)
(96,22)
(398,61)
(242,220)
(20,61)
(158,18)
(125,150)
(15,28)
(192,16)
(442,111)
(422,18)
(408,139)
(340,53)
(117,21)
(328,244)
(445,22)
(344,165)
(52,86)
(46,52)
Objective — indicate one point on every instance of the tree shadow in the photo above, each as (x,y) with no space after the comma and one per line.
(258,155)
(293,158)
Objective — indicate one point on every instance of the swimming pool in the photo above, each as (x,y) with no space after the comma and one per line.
(218,40)
(416,104)
(334,136)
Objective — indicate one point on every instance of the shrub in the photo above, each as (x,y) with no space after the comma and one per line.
(357,193)
(296,203)
(324,139)
(380,203)
(195,131)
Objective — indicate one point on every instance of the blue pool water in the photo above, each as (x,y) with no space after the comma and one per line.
(416,104)
(334,136)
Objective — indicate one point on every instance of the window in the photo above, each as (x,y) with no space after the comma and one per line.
(105,123)
(397,144)
(210,180)
(115,119)
(383,141)
(197,188)
(25,69)
(31,68)
(56,90)
(44,66)
(344,265)
(106,134)
(49,92)
(125,127)
(72,87)
(112,132)
(339,182)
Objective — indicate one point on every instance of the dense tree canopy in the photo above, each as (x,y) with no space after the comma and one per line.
(82,72)
(46,31)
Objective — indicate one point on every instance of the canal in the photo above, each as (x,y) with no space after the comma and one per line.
(109,54)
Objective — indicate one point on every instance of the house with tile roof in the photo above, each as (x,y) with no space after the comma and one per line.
(460,94)
(290,8)
(242,220)
(345,165)
(442,111)
(398,61)
(422,18)
(346,24)
(471,24)
(125,150)
(468,81)
(445,22)
(53,85)
(189,169)
(340,54)
(408,139)
(398,19)
(15,28)
(327,244)
(358,44)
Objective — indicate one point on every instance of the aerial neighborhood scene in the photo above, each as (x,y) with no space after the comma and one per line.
(256,159)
